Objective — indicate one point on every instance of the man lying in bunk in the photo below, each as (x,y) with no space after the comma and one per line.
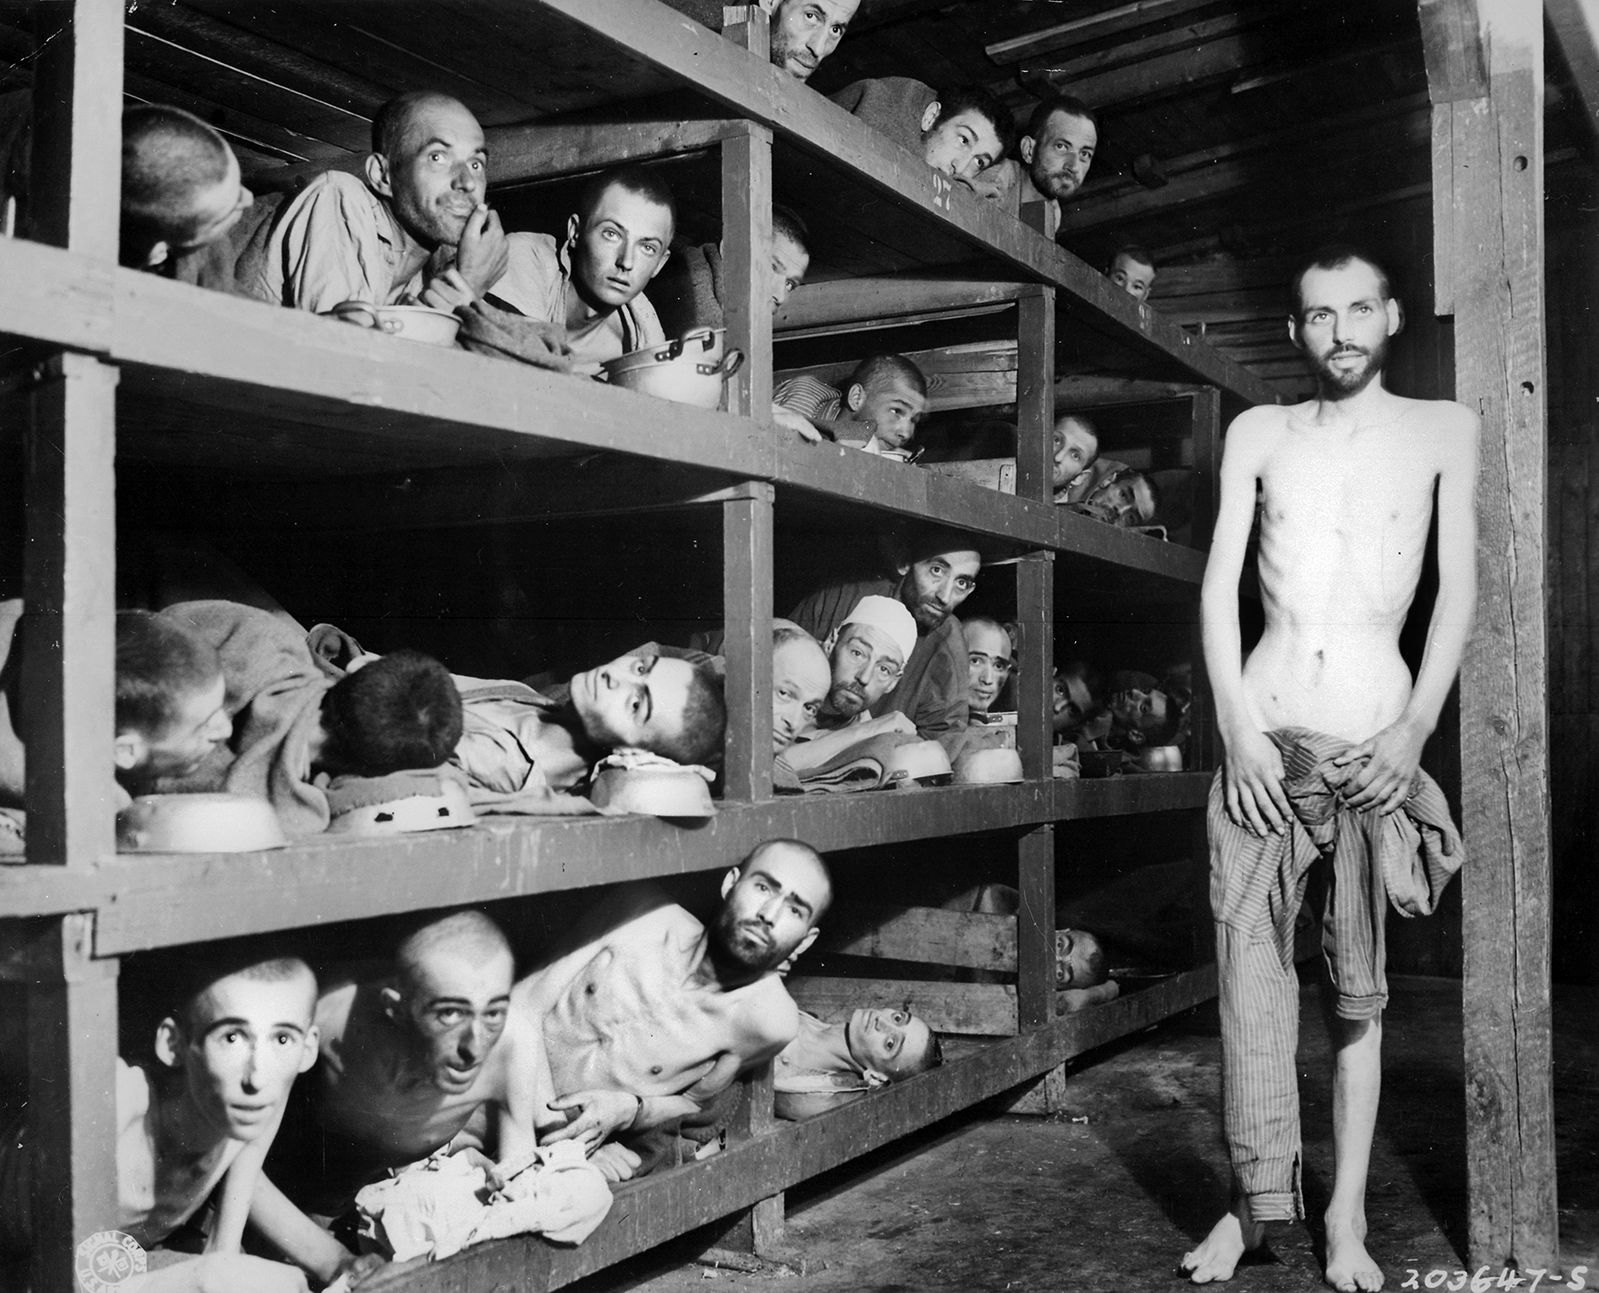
(1055,152)
(1133,270)
(877,411)
(522,744)
(933,571)
(182,194)
(408,1057)
(990,657)
(688,293)
(648,1015)
(169,714)
(868,654)
(589,286)
(801,676)
(959,134)
(804,32)
(1076,449)
(381,237)
(828,1065)
(197,1114)
(299,722)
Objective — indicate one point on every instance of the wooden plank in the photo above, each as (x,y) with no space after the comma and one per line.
(931,935)
(1094,26)
(54,296)
(1035,929)
(1091,392)
(72,1056)
(874,302)
(982,1009)
(1035,395)
(1035,648)
(69,586)
(746,263)
(1499,364)
(658,1208)
(314,371)
(77,127)
(747,618)
(163,901)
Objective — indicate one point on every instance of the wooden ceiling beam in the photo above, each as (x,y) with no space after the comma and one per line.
(1092,27)
(1063,72)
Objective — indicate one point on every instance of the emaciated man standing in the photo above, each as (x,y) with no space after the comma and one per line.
(1323,729)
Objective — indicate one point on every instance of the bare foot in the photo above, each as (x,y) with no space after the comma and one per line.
(1231,1237)
(1349,1266)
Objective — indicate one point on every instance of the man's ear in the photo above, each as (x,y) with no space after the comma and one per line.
(393,1001)
(805,942)
(931,115)
(573,224)
(855,397)
(1396,316)
(1025,148)
(661,264)
(377,175)
(157,254)
(169,1043)
(729,880)
(308,1053)
(1293,332)
(128,750)
(769,6)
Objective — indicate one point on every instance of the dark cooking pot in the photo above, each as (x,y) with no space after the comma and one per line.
(690,370)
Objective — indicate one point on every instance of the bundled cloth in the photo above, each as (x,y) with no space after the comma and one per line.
(859,767)
(437,1207)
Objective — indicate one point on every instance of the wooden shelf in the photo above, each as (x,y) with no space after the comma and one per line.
(661,1207)
(146,901)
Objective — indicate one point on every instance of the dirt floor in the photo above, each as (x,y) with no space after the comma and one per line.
(1107,1194)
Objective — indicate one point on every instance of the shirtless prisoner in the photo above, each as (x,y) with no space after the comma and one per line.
(651,1015)
(407,1058)
(1324,718)
(196,1118)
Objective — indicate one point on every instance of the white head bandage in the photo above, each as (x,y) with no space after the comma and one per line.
(887,614)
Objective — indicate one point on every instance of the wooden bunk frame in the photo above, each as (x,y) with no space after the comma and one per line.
(116,344)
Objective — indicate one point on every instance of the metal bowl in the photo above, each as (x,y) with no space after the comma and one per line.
(690,370)
(203,823)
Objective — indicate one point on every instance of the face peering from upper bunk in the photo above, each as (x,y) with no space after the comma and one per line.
(804,32)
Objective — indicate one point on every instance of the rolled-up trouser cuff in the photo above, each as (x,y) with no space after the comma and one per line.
(1275,1205)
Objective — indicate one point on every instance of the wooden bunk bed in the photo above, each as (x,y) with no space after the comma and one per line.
(282,413)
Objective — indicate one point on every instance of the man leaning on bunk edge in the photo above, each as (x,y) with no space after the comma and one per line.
(1323,731)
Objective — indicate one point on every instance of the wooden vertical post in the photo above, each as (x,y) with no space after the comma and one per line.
(69,589)
(72,1055)
(1035,393)
(747,250)
(1035,930)
(1485,73)
(747,619)
(77,127)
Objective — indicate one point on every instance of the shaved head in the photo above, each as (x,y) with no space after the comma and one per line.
(464,935)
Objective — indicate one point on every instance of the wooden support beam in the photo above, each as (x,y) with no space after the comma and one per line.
(69,586)
(873,302)
(747,618)
(980,1009)
(72,1057)
(1035,928)
(1090,392)
(77,127)
(747,264)
(1094,26)
(1485,69)
(1035,394)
